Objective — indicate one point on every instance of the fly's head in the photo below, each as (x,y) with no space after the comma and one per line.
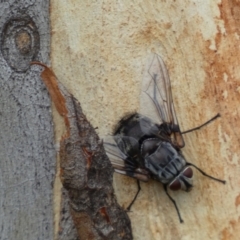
(168,129)
(182,181)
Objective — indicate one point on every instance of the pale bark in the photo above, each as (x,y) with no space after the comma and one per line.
(99,50)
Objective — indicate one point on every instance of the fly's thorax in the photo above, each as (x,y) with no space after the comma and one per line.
(163,161)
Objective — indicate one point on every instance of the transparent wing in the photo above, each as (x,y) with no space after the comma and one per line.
(121,160)
(156,98)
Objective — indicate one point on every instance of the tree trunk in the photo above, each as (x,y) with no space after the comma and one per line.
(99,50)
(27,153)
(88,209)
(86,173)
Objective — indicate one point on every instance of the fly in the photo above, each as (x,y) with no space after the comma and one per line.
(147,145)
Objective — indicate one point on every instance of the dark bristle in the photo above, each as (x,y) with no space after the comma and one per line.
(127,117)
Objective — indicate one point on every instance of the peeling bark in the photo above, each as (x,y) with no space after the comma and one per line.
(86,172)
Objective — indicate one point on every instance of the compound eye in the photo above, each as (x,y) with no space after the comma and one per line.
(188,172)
(175,185)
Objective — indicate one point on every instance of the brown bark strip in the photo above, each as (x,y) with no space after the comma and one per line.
(86,171)
(51,83)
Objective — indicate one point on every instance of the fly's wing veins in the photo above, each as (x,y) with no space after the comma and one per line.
(124,162)
(156,99)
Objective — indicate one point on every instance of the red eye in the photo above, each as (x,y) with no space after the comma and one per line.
(188,172)
(175,185)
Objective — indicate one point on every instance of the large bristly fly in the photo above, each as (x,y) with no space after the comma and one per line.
(148,145)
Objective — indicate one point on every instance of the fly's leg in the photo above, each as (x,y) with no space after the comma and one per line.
(134,199)
(204,124)
(206,175)
(173,201)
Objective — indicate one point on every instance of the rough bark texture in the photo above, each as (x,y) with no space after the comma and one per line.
(27,154)
(99,48)
(86,173)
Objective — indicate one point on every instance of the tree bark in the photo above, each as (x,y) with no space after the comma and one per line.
(86,173)
(88,209)
(27,152)
(100,56)
(99,50)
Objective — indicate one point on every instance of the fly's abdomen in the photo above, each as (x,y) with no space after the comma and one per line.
(165,162)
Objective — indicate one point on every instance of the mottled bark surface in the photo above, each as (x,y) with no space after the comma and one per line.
(66,227)
(87,175)
(27,154)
